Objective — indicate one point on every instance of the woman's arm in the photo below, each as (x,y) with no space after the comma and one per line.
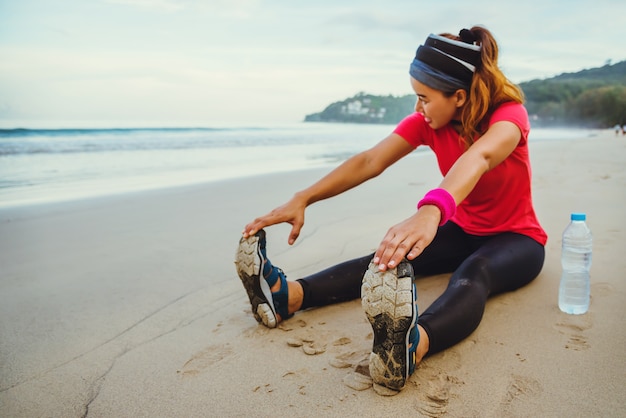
(491,149)
(412,236)
(354,171)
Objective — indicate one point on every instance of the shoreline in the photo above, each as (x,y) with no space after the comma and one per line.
(130,305)
(73,188)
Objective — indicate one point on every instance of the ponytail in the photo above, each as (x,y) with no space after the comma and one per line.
(489,89)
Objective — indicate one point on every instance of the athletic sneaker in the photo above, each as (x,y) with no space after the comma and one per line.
(389,299)
(258,275)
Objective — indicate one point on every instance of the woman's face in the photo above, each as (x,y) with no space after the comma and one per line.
(437,108)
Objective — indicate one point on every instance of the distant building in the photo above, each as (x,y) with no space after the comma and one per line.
(354,108)
(357,107)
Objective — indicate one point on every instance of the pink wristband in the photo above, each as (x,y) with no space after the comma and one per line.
(444,202)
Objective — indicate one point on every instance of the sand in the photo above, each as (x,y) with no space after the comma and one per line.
(129,306)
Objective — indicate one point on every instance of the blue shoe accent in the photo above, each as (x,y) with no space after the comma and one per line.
(389,299)
(258,275)
(281,297)
(414,337)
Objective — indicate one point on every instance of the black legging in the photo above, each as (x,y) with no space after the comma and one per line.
(483,266)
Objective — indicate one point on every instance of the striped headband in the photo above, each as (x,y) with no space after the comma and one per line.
(445,64)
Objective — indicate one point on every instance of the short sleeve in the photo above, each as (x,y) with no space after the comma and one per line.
(515,113)
(412,129)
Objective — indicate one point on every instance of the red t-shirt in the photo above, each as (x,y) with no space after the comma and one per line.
(502,198)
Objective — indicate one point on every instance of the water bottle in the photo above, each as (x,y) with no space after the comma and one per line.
(576,262)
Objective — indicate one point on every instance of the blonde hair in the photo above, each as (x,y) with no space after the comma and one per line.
(489,89)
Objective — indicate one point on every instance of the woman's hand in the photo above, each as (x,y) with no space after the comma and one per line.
(408,238)
(291,212)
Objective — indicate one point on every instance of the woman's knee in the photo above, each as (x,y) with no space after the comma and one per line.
(506,263)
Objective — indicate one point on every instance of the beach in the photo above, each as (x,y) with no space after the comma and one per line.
(129,305)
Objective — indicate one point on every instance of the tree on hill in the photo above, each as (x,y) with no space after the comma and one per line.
(595,97)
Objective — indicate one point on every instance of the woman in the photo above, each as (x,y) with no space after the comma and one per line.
(479,223)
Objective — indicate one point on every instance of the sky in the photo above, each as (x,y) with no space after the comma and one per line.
(137,63)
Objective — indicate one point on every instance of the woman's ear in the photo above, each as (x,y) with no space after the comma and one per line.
(461,97)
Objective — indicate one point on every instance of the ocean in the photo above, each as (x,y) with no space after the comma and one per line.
(53,165)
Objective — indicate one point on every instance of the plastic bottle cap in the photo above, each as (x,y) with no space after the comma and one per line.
(578,217)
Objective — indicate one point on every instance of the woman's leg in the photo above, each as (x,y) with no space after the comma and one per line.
(389,300)
(503,263)
(339,283)
(342,282)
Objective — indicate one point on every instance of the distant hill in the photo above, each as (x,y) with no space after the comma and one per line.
(366,108)
(590,98)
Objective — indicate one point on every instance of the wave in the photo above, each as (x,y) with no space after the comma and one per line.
(26,132)
(22,141)
(78,140)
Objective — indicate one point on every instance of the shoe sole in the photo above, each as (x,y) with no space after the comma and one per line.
(387,299)
(249,264)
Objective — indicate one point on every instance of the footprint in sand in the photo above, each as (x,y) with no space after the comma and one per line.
(434,384)
(266,388)
(217,327)
(573,327)
(205,358)
(349,359)
(452,359)
(602,289)
(435,395)
(516,399)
